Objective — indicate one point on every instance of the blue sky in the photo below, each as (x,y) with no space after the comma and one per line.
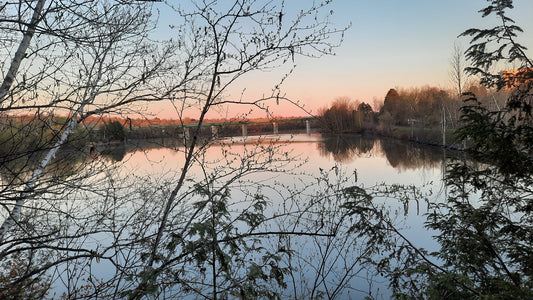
(395,43)
(392,43)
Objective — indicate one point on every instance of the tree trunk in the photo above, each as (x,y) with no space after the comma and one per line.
(21,51)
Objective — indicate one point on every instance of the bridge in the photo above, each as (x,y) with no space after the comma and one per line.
(246,124)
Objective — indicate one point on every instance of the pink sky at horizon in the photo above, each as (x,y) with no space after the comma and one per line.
(391,44)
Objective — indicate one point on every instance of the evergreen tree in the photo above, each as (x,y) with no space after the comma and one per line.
(114,131)
(485,226)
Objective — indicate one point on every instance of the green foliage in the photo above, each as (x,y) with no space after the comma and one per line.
(504,139)
(485,228)
(114,131)
(492,45)
(218,249)
(490,240)
(21,136)
(78,138)
(24,141)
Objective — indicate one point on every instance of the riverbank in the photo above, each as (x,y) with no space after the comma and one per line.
(419,135)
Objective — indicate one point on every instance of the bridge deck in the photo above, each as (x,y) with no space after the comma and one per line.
(250,122)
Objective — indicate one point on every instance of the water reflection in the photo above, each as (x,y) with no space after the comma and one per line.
(17,169)
(400,155)
(115,153)
(298,196)
(346,148)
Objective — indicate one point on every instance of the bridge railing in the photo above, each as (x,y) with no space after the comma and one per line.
(245,128)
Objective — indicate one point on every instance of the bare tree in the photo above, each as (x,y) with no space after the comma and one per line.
(76,59)
(223,43)
(460,79)
(156,235)
(28,33)
(458,75)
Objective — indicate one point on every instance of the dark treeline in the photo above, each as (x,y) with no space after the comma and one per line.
(24,134)
(399,154)
(418,114)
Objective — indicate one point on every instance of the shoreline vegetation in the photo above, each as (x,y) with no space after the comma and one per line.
(219,221)
(426,115)
(113,131)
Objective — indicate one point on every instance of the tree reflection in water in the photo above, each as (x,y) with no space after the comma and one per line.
(400,154)
(346,148)
(115,154)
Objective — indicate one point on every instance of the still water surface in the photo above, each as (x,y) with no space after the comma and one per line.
(295,163)
(375,161)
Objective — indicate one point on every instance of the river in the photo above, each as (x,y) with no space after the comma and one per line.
(277,204)
(284,171)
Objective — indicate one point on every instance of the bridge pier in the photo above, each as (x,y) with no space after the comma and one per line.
(214,131)
(275,125)
(308,127)
(186,133)
(244,129)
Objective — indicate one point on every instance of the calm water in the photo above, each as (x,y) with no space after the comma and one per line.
(296,162)
(374,161)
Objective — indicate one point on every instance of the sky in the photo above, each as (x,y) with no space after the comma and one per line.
(391,43)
